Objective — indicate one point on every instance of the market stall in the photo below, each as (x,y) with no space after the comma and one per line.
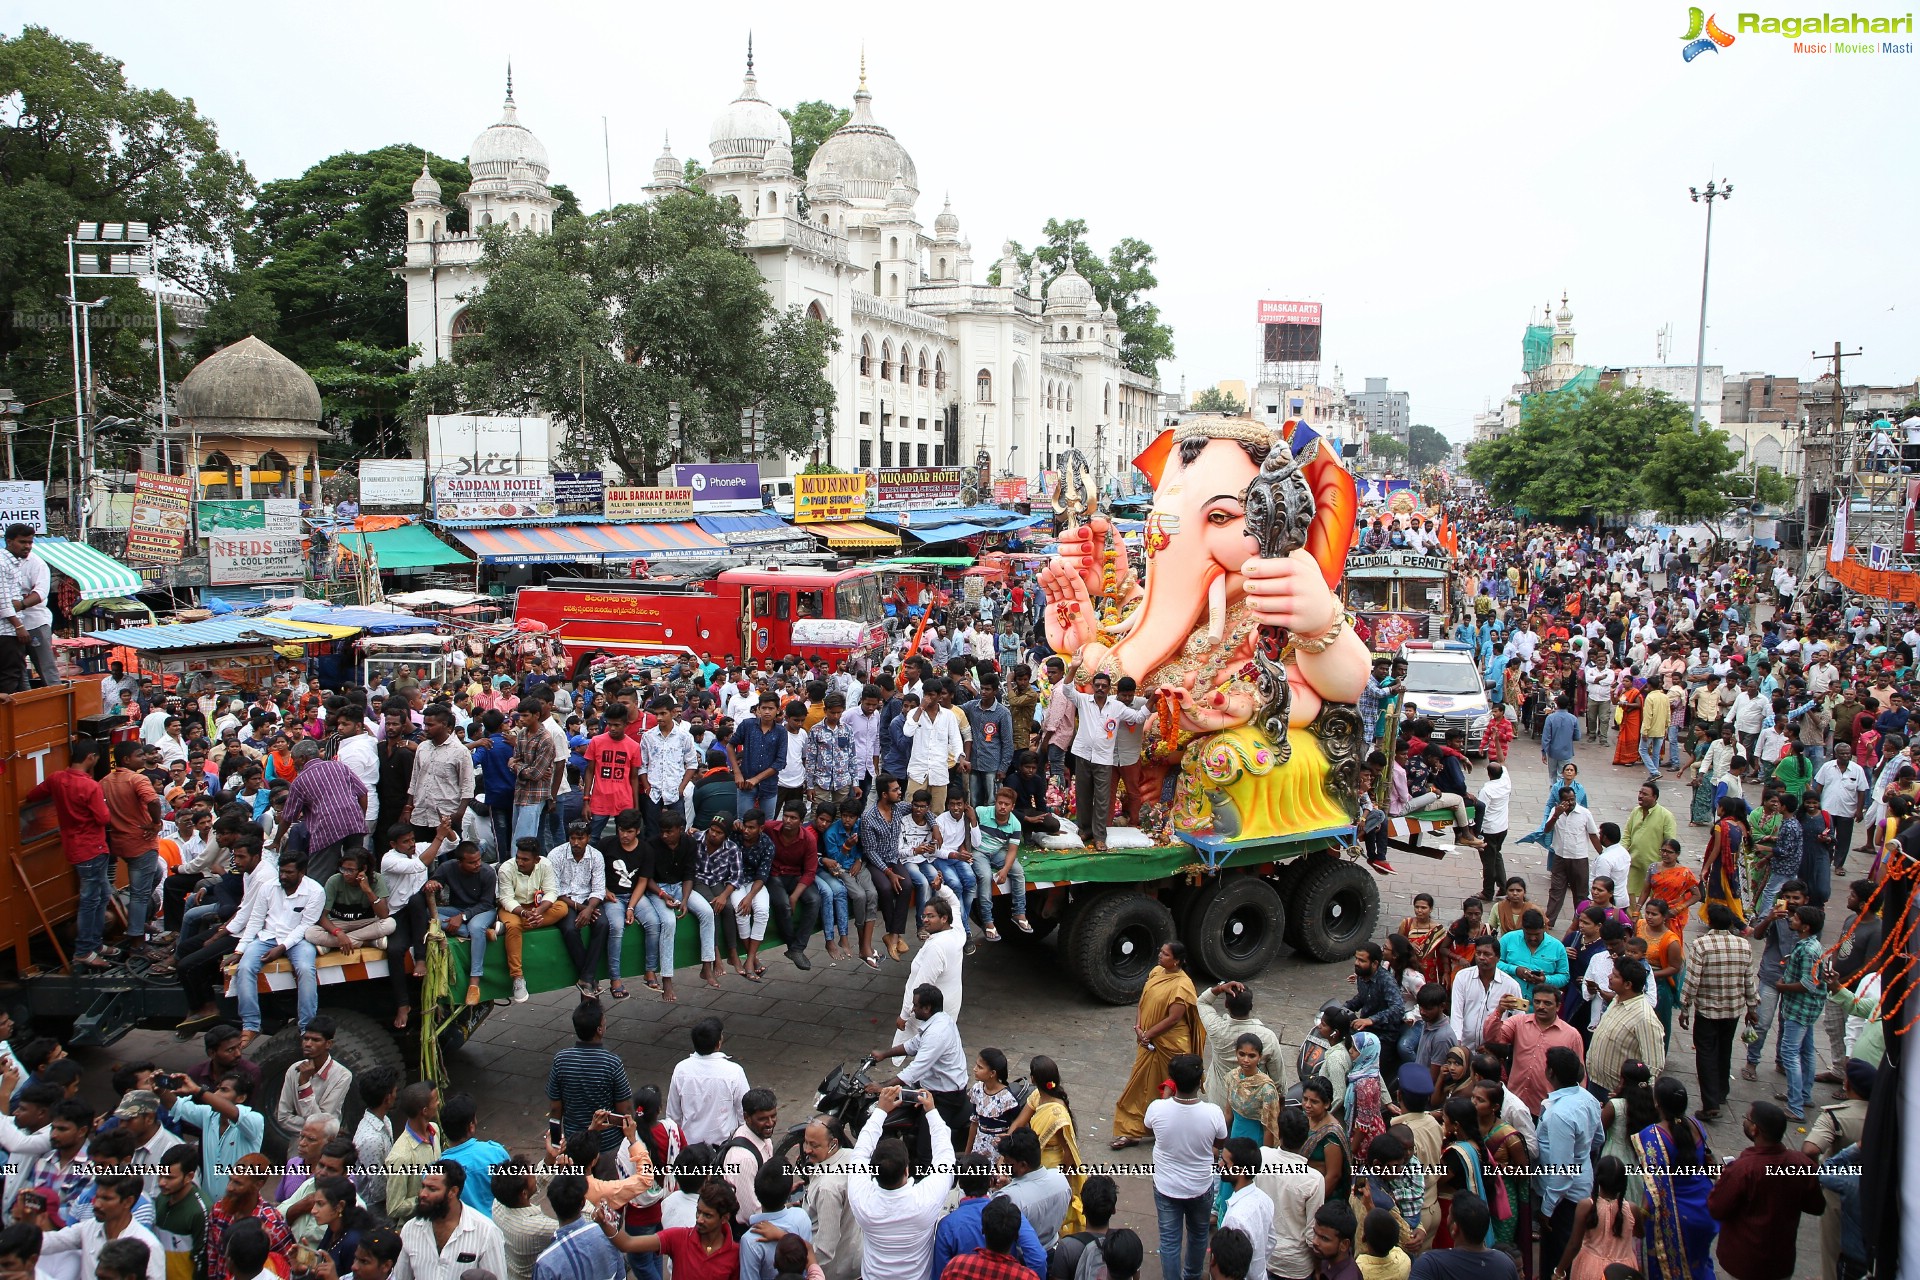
(231,653)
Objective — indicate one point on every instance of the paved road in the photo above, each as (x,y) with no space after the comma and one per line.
(792,1029)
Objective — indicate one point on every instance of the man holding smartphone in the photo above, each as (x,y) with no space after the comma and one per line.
(939,1063)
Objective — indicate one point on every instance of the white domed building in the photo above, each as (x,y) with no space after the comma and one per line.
(934,365)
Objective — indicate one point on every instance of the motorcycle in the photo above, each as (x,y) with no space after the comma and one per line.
(849,1097)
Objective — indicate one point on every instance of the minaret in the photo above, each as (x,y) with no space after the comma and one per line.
(426,216)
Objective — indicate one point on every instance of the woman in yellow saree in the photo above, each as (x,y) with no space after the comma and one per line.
(1045,1112)
(1166,1025)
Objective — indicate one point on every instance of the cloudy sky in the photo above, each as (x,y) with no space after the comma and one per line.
(1432,174)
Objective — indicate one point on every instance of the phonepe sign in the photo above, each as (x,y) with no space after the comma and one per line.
(720,486)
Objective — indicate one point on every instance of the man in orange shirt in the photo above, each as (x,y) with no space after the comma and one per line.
(1531,1035)
(80,807)
(133,834)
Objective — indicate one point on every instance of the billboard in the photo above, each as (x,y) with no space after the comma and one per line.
(393,482)
(1007,492)
(648,502)
(1292,331)
(24,502)
(579,493)
(829,497)
(162,517)
(502,498)
(468,444)
(248,515)
(916,485)
(243,559)
(720,486)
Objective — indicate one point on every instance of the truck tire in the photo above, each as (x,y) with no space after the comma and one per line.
(1116,942)
(1338,908)
(360,1044)
(1234,927)
(1289,878)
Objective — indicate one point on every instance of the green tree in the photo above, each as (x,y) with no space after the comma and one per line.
(1120,280)
(1689,475)
(78,142)
(626,312)
(1382,445)
(1426,447)
(812,123)
(1774,489)
(1576,454)
(1214,400)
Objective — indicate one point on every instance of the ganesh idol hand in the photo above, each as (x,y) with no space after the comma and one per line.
(1288,591)
(1071,620)
(1204,711)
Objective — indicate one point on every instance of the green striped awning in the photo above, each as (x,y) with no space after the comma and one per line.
(98,576)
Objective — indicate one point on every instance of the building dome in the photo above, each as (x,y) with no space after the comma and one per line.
(778,162)
(898,196)
(504,145)
(667,169)
(248,383)
(869,159)
(1069,291)
(946,224)
(750,124)
(426,189)
(1565,314)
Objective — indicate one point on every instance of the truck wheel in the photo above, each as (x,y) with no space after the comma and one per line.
(360,1044)
(1117,941)
(1234,927)
(1338,908)
(1289,878)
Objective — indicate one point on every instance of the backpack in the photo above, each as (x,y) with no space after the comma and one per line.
(1064,1259)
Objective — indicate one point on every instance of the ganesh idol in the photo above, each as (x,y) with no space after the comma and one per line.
(1235,632)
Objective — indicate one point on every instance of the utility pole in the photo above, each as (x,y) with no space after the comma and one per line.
(1722,192)
(1823,472)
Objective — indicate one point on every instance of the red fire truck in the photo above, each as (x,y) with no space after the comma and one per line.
(758,614)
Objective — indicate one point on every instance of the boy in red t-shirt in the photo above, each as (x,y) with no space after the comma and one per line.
(613,772)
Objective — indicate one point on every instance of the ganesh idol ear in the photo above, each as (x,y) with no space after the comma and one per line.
(1336,507)
(1153,459)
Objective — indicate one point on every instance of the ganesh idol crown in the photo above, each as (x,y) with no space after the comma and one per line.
(1234,632)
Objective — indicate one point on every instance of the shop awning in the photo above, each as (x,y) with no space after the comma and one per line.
(567,543)
(852,533)
(213,632)
(327,629)
(966,529)
(411,546)
(99,577)
(748,529)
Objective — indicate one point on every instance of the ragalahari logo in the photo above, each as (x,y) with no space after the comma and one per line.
(1703,35)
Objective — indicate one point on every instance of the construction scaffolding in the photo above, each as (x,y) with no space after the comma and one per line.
(1872,475)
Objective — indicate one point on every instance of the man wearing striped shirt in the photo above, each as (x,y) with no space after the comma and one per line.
(1721,988)
(580,1249)
(1629,1030)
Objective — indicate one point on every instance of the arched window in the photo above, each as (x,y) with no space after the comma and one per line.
(906,364)
(419,228)
(1049,395)
(923,366)
(943,269)
(893,246)
(866,356)
(1079,331)
(271,475)
(436,228)
(814,312)
(893,286)
(983,387)
(773,202)
(1063,333)
(939,374)
(1107,405)
(217,476)
(876,279)
(886,360)
(486,219)
(516,220)
(1066,394)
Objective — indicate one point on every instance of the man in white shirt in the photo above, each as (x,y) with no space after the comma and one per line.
(936,964)
(1843,786)
(1297,1191)
(1576,838)
(281,918)
(897,1215)
(28,599)
(1187,1134)
(937,745)
(1478,991)
(836,1235)
(671,760)
(1613,861)
(1496,801)
(939,1063)
(1599,677)
(1094,740)
(1249,1209)
(703,1097)
(112,1219)
(863,722)
(448,1237)
(360,753)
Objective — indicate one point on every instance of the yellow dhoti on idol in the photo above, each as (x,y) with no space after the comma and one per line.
(1233,784)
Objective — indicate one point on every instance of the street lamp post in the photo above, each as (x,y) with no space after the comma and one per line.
(1722,191)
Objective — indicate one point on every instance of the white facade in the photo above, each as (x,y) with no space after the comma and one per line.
(1676,380)
(934,366)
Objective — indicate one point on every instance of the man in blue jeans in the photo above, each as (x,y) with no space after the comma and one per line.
(1557,736)
(493,761)
(1188,1133)
(759,752)
(278,927)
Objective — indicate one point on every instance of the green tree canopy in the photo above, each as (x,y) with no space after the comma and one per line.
(1426,447)
(78,143)
(1382,445)
(1574,454)
(1774,489)
(812,123)
(1687,476)
(626,312)
(1120,280)
(1214,400)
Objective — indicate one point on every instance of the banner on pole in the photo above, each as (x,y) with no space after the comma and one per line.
(162,517)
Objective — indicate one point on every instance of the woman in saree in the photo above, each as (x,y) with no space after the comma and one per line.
(1464,933)
(1763,831)
(1166,1025)
(1899,814)
(1365,1094)
(1047,1114)
(1507,1149)
(1583,943)
(1673,1152)
(1465,1162)
(1326,1144)
(1720,869)
(1625,1114)
(1428,938)
(1253,1103)
(1704,776)
(1626,742)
